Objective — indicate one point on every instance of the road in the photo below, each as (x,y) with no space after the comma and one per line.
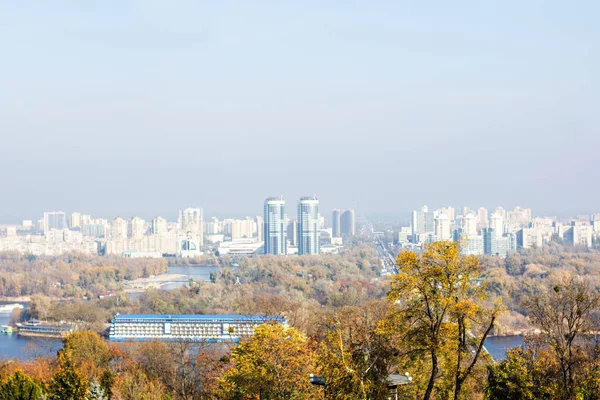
(386,254)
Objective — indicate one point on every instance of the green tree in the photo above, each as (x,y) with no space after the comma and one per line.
(274,363)
(20,387)
(67,383)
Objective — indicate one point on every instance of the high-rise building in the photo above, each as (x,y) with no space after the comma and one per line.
(442,227)
(292,233)
(191,224)
(529,237)
(275,226)
(138,229)
(309,228)
(469,225)
(482,218)
(75,220)
(260,228)
(348,223)
(54,220)
(422,222)
(335,223)
(494,244)
(159,226)
(497,224)
(118,229)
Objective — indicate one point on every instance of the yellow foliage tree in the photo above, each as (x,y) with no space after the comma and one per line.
(274,363)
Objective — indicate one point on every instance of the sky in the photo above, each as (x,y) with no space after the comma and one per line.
(145,107)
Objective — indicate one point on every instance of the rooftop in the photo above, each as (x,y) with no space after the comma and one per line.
(200,317)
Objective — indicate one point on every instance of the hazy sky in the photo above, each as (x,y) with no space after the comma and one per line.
(144,107)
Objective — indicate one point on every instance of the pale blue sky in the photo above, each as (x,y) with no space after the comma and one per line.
(144,107)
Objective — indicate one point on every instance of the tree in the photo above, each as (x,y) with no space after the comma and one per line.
(20,387)
(274,363)
(440,301)
(87,347)
(564,315)
(353,357)
(529,372)
(67,383)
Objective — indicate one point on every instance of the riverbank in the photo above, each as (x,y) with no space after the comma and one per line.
(153,282)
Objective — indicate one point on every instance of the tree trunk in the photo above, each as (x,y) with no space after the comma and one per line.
(457,389)
(434,370)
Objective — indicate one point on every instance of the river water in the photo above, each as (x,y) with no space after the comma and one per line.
(24,348)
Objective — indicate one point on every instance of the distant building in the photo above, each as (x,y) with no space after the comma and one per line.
(191,224)
(497,224)
(348,223)
(275,226)
(159,226)
(197,328)
(422,222)
(442,227)
(469,225)
(292,233)
(579,235)
(472,245)
(482,218)
(309,228)
(336,223)
(138,228)
(528,238)
(495,245)
(54,220)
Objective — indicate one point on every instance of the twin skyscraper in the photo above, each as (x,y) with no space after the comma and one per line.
(307,230)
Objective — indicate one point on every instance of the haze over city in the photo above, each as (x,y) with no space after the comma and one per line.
(142,108)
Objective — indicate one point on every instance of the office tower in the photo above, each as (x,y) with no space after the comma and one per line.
(442,227)
(292,233)
(348,223)
(275,226)
(422,222)
(469,225)
(159,226)
(191,224)
(138,229)
(54,220)
(497,224)
(335,223)
(309,228)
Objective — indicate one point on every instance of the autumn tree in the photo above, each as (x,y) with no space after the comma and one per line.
(441,313)
(353,357)
(274,363)
(67,383)
(529,372)
(89,352)
(564,314)
(20,387)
